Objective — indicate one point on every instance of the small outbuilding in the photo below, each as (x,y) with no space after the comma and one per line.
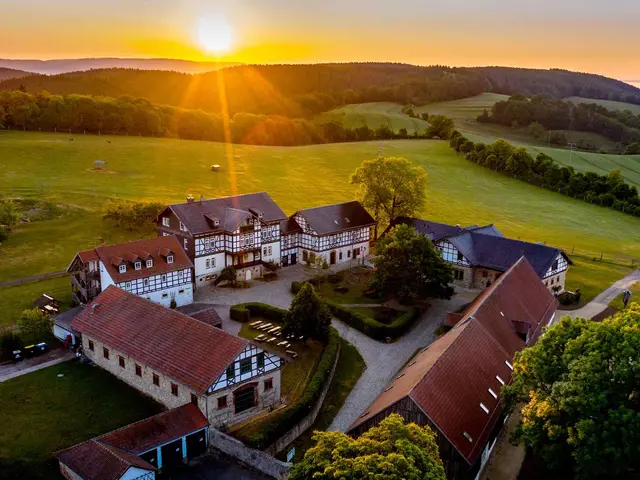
(62,326)
(47,304)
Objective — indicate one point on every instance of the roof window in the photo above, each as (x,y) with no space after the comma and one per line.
(499,379)
(138,265)
(169,258)
(468,437)
(506,362)
(122,268)
(400,376)
(364,414)
(493,394)
(346,219)
(484,407)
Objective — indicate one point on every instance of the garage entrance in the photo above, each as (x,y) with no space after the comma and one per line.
(172,454)
(196,444)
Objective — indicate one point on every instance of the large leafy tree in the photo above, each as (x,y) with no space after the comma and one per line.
(34,325)
(390,187)
(392,450)
(441,127)
(408,265)
(308,316)
(580,386)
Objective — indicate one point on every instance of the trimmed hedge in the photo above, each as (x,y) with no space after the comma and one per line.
(299,410)
(374,328)
(242,312)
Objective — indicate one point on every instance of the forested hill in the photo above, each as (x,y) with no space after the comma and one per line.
(558,84)
(300,90)
(9,73)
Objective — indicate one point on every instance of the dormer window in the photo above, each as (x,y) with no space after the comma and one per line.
(170,259)
(150,263)
(122,268)
(165,222)
(138,265)
(183,228)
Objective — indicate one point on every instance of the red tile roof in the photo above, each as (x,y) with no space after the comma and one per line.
(157,247)
(88,255)
(451,378)
(187,350)
(163,428)
(93,460)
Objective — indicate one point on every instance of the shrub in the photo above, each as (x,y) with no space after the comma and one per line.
(296,287)
(4,235)
(242,312)
(34,325)
(374,328)
(296,413)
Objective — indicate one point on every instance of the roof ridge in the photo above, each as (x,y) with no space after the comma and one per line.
(329,205)
(105,447)
(218,198)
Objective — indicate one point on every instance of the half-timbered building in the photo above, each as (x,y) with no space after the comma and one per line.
(241,231)
(176,359)
(338,233)
(479,255)
(157,269)
(453,385)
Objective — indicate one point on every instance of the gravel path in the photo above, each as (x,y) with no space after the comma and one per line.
(601,302)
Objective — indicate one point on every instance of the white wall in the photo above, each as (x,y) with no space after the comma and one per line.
(105,278)
(133,472)
(275,252)
(200,264)
(184,298)
(61,334)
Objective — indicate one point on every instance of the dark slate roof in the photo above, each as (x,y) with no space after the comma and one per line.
(500,253)
(64,319)
(437,231)
(226,210)
(203,312)
(289,226)
(336,218)
(44,300)
(449,379)
(189,351)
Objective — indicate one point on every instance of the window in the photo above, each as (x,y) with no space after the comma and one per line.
(268,384)
(270,250)
(468,437)
(305,255)
(194,399)
(555,265)
(138,370)
(127,286)
(156,380)
(180,292)
(174,389)
(186,245)
(340,255)
(150,263)
(506,362)
(231,371)
(348,253)
(121,361)
(458,274)
(460,257)
(183,228)
(499,379)
(210,263)
(105,352)
(91,345)
(122,268)
(356,252)
(165,295)
(493,394)
(170,259)
(146,282)
(485,274)
(138,265)
(264,251)
(484,408)
(222,403)
(165,222)
(164,278)
(260,360)
(245,366)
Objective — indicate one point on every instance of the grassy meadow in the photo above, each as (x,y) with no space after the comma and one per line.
(373,115)
(50,166)
(608,104)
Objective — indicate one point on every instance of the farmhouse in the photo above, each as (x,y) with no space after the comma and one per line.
(337,233)
(136,451)
(479,255)
(453,385)
(176,359)
(157,269)
(241,231)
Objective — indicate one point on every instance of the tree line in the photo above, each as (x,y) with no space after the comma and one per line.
(607,190)
(519,110)
(135,116)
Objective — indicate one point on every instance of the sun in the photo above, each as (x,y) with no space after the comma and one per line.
(215,35)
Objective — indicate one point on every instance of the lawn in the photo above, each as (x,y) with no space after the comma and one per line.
(295,376)
(20,297)
(635,297)
(592,277)
(356,281)
(608,104)
(348,370)
(41,413)
(167,170)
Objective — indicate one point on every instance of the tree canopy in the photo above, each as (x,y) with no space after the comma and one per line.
(392,451)
(408,265)
(308,316)
(34,325)
(391,187)
(581,393)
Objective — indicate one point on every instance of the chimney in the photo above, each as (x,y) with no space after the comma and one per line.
(190,198)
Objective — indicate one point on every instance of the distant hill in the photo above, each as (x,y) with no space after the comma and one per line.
(608,104)
(297,90)
(9,73)
(54,67)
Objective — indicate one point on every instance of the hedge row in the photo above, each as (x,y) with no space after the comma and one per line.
(370,326)
(299,410)
(242,312)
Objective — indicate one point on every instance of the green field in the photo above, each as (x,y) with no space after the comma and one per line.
(41,413)
(608,104)
(373,115)
(40,165)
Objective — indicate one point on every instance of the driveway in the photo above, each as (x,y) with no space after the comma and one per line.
(213,467)
(52,357)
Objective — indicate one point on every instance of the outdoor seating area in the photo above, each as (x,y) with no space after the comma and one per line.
(273,335)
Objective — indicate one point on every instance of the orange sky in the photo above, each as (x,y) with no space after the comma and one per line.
(584,35)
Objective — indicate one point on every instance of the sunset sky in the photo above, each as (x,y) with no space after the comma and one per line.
(587,35)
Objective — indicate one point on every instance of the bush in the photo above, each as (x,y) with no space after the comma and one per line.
(296,287)
(4,235)
(242,312)
(34,325)
(374,328)
(296,413)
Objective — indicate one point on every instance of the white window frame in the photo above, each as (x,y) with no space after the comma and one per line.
(169,258)
(150,263)
(207,263)
(163,278)
(127,286)
(138,265)
(185,243)
(166,222)
(122,268)
(183,227)
(146,282)
(270,251)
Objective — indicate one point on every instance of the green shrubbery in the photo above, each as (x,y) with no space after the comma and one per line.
(242,312)
(131,215)
(374,328)
(299,410)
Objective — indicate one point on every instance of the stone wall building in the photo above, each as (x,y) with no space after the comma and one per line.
(177,359)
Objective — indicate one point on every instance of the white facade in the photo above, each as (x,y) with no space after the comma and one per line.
(160,288)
